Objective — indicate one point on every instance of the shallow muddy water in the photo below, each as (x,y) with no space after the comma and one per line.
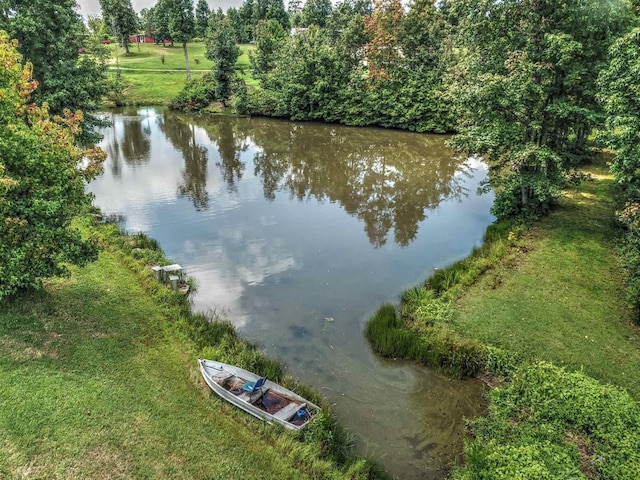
(298,232)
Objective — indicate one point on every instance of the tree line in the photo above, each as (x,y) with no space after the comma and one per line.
(523,83)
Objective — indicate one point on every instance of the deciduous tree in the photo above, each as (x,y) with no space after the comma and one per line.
(526,88)
(622,105)
(221,48)
(202,18)
(270,38)
(278,13)
(160,15)
(182,26)
(383,28)
(121,18)
(42,182)
(294,10)
(50,34)
(316,12)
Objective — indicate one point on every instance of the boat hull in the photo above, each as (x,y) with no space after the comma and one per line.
(221,376)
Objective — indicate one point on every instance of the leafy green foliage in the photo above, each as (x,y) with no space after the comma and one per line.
(201,18)
(157,21)
(526,95)
(294,9)
(270,39)
(120,18)
(277,12)
(44,188)
(182,26)
(622,106)
(196,95)
(550,423)
(320,73)
(315,12)
(181,20)
(223,51)
(49,35)
(629,217)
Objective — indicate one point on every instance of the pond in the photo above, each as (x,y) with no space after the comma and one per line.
(297,233)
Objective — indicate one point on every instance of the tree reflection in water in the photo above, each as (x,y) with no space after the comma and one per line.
(136,144)
(389,180)
(230,144)
(181,134)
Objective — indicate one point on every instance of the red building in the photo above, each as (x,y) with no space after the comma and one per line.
(140,38)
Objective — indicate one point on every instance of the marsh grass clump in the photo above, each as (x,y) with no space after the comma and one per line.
(422,306)
(386,332)
(439,347)
(333,440)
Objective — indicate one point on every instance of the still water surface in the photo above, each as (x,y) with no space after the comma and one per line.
(299,232)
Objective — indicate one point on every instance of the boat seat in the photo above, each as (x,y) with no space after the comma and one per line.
(252,397)
(252,387)
(289,411)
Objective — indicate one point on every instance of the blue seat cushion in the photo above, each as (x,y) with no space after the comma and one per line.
(249,386)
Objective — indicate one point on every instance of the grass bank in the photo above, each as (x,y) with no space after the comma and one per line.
(155,74)
(99,379)
(551,293)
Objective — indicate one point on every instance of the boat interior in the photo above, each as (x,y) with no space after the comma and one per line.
(274,403)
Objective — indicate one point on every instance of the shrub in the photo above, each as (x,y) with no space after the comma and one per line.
(196,94)
(629,218)
(501,362)
(240,99)
(550,423)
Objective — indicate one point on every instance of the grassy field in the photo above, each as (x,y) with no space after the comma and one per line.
(99,379)
(559,295)
(155,74)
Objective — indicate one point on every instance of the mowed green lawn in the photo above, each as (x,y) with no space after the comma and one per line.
(560,298)
(95,383)
(155,74)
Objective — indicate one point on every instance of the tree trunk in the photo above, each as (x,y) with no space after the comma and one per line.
(186,59)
